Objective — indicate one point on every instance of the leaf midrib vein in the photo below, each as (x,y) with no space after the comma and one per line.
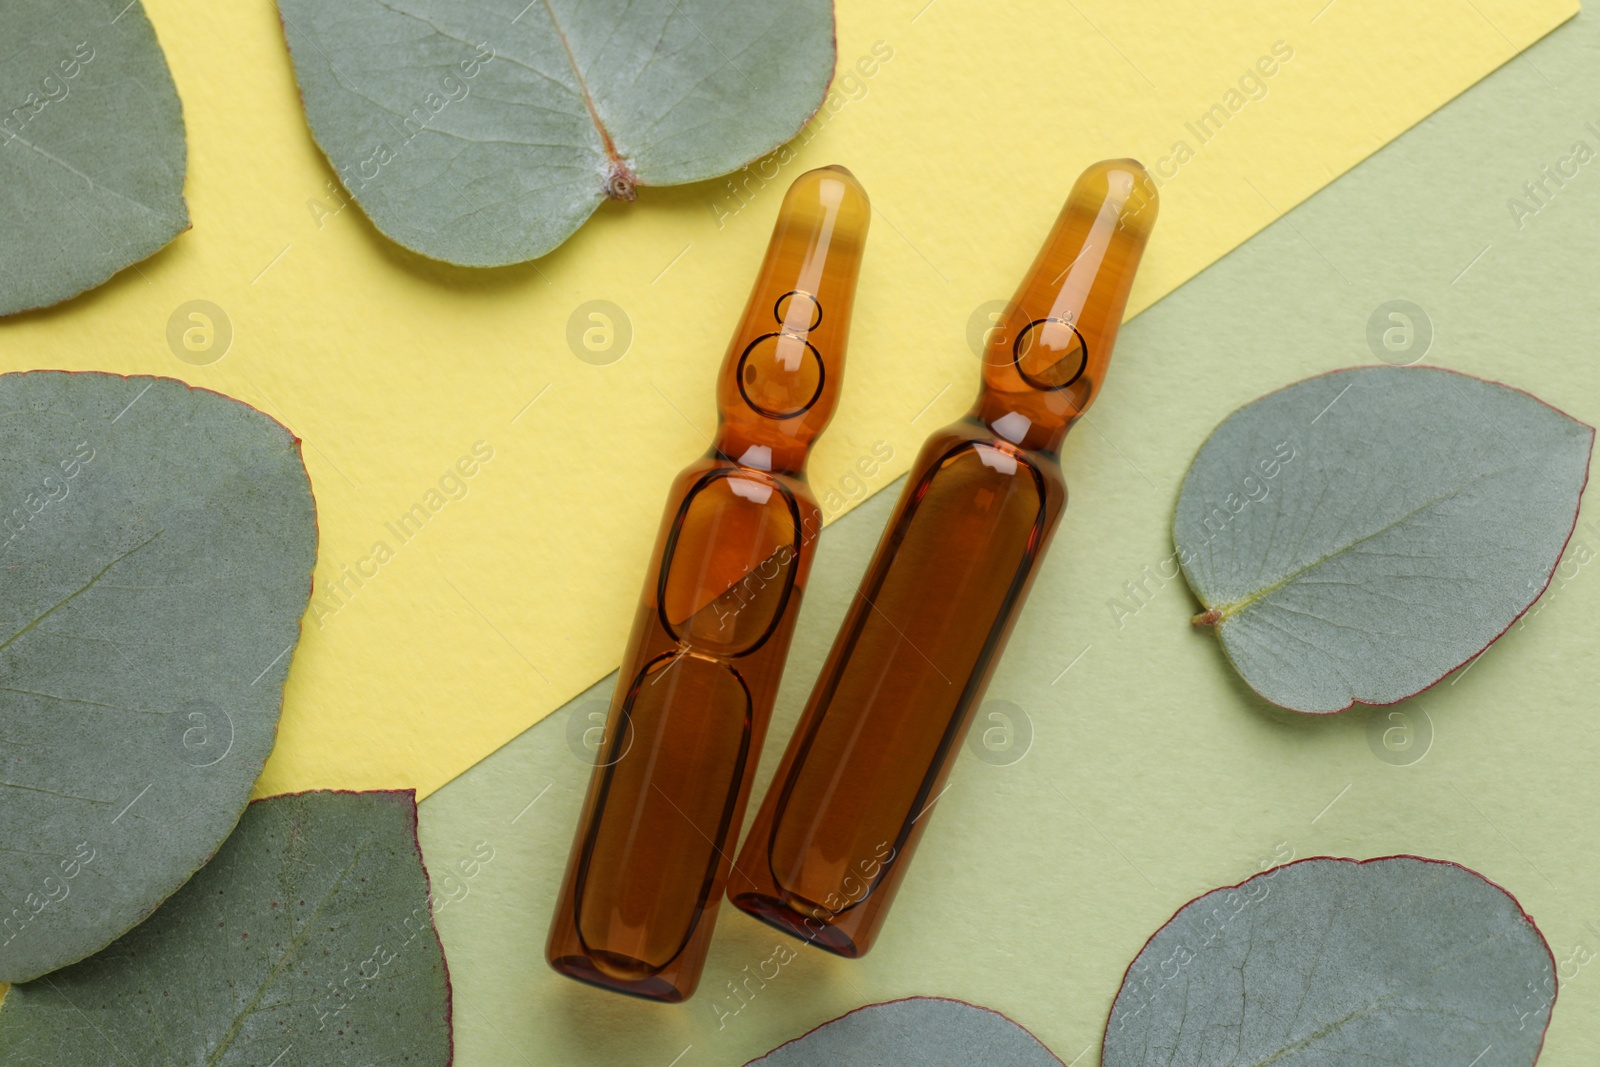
(75,700)
(283,961)
(583,88)
(1384,1000)
(64,601)
(436,28)
(1229,610)
(70,169)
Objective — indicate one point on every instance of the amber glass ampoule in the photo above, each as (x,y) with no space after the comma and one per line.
(647,868)
(830,844)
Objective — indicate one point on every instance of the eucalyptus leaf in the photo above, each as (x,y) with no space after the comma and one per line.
(1357,536)
(307,942)
(927,1031)
(484,132)
(156,546)
(92,153)
(1326,961)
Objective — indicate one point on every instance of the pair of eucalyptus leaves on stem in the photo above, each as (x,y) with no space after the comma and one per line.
(477,133)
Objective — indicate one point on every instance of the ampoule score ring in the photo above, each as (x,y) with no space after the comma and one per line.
(792,380)
(1079,347)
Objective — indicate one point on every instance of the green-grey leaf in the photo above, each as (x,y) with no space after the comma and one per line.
(484,132)
(156,546)
(308,941)
(91,147)
(927,1031)
(1326,961)
(1357,536)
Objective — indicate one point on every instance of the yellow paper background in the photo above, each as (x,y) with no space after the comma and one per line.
(1139,770)
(391,368)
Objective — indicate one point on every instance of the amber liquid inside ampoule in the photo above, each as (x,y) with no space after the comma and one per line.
(833,837)
(668,791)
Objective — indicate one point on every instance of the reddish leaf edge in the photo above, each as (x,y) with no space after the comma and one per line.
(94,287)
(1526,917)
(300,625)
(408,797)
(903,1000)
(183,202)
(632,180)
(1577,510)
(316,527)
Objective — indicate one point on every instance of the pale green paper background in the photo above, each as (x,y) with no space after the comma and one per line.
(1155,775)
